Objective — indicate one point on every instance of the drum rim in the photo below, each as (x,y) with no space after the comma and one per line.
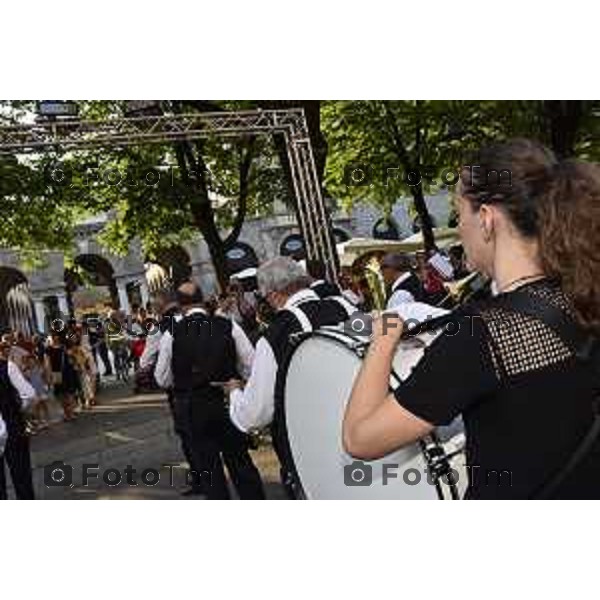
(288,463)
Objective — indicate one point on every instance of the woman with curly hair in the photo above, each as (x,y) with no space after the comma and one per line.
(520,367)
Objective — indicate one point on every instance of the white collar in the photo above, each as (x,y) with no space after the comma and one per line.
(317,282)
(300,297)
(401,280)
(195,311)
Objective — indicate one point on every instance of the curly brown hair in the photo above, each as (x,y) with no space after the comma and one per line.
(557,202)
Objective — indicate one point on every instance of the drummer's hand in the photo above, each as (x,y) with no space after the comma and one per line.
(233,384)
(387,330)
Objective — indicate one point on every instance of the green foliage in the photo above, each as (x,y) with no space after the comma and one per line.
(393,137)
(140,187)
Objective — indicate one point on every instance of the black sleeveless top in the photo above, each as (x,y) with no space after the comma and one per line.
(525,400)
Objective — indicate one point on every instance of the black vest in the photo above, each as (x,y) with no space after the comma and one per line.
(412,285)
(10,406)
(324,289)
(203,351)
(320,313)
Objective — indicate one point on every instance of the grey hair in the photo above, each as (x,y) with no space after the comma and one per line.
(280,274)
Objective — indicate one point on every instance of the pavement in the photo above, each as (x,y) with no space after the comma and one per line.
(123,429)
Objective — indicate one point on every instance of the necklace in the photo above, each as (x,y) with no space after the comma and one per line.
(511,285)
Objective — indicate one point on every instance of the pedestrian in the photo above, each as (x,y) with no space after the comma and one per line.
(64,378)
(203,352)
(259,403)
(16,395)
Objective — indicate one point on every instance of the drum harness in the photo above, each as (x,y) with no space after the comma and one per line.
(436,457)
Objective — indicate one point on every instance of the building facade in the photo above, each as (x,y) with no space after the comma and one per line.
(28,297)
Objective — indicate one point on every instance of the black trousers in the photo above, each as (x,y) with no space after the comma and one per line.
(182,422)
(215,443)
(102,349)
(18,459)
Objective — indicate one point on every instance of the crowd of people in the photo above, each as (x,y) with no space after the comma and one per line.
(221,360)
(65,369)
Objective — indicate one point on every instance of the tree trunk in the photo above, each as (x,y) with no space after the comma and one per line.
(205,222)
(409,164)
(564,119)
(424,217)
(312,111)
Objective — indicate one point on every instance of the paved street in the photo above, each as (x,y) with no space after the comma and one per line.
(124,430)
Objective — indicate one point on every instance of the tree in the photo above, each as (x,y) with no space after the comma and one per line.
(382,150)
(206,185)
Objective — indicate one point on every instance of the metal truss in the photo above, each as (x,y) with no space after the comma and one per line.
(73,134)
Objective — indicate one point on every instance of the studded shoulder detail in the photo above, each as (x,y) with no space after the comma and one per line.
(519,343)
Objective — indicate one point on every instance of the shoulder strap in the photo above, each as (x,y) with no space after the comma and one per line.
(345,304)
(301,318)
(584,345)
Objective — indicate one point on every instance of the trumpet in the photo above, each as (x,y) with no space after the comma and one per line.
(460,292)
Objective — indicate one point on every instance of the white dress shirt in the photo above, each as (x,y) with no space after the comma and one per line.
(352,297)
(163,372)
(23,387)
(151,349)
(253,407)
(399,296)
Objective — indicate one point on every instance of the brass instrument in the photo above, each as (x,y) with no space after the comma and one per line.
(460,292)
(376,283)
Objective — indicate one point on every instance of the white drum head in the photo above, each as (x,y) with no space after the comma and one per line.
(318,384)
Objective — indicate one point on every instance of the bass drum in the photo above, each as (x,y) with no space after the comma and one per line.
(319,380)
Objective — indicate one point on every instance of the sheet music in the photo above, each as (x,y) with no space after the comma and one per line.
(415,313)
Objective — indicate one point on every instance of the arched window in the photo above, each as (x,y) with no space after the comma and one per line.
(386,229)
(239,257)
(293,245)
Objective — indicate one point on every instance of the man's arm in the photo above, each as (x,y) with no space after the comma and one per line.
(162,371)
(244,350)
(151,349)
(255,404)
(23,387)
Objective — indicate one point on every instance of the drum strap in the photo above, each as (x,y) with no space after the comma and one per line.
(302,318)
(345,304)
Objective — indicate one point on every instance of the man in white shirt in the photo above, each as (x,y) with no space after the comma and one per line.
(166,308)
(285,285)
(195,358)
(404,285)
(16,396)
